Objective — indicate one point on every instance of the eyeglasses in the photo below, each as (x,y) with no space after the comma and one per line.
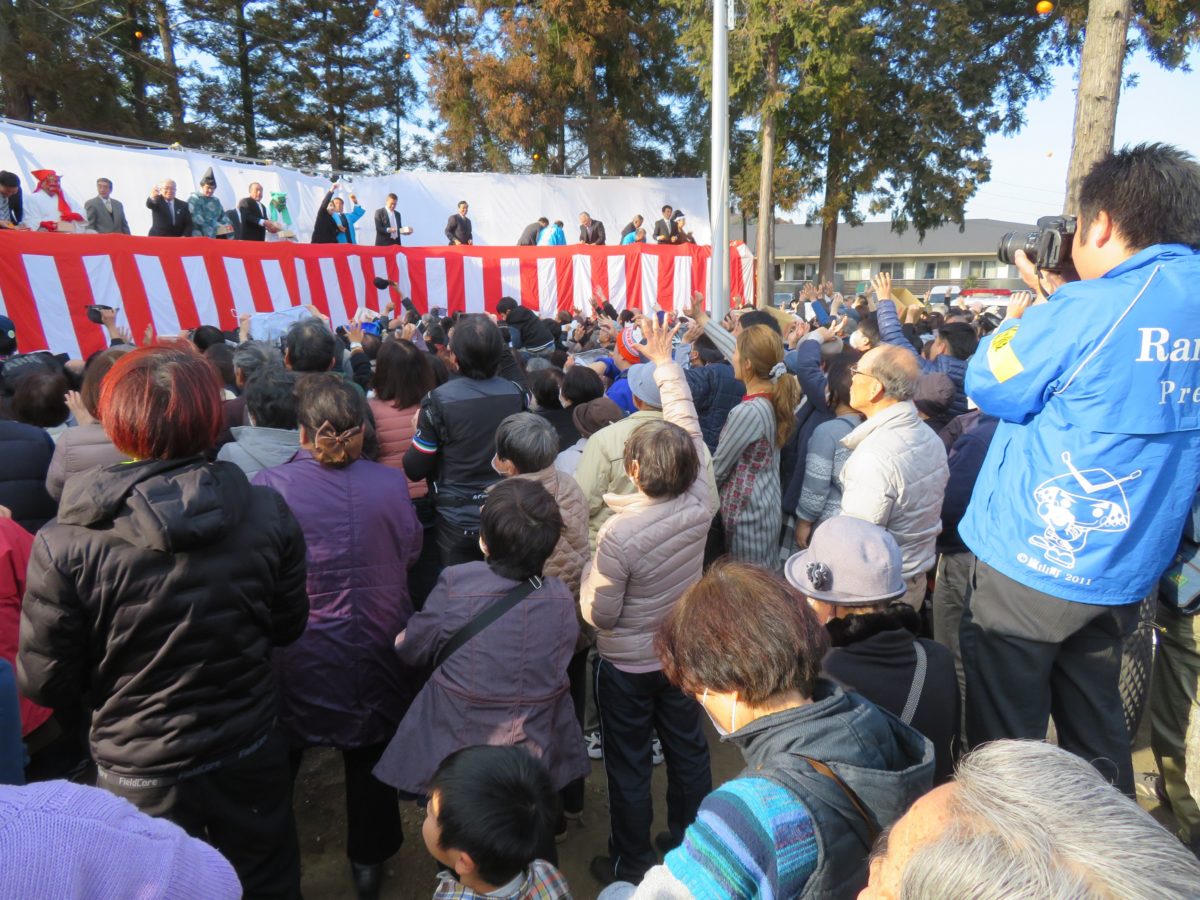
(855,370)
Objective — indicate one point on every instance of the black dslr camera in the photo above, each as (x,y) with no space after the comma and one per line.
(1048,248)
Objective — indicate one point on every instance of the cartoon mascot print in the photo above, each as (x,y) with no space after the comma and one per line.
(1075,504)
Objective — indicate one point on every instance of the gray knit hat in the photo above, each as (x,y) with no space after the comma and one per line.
(850,562)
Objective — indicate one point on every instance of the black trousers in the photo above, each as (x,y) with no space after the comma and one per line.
(425,571)
(456,544)
(373,832)
(243,809)
(1027,655)
(573,793)
(631,707)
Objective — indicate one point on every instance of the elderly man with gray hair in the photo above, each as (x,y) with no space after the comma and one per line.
(1026,819)
(170,215)
(896,474)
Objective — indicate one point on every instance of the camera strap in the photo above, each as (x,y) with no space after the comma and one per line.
(486,618)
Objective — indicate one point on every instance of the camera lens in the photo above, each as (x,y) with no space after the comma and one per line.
(1017,240)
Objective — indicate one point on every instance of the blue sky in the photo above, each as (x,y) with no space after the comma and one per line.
(1029,169)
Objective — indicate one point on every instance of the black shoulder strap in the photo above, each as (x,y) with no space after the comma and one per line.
(486,618)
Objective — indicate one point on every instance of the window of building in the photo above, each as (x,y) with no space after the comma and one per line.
(895,269)
(804,271)
(939,269)
(983,268)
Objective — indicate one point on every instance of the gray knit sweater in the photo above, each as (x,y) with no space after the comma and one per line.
(821,494)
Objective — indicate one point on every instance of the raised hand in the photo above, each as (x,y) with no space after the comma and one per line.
(882,283)
(354,332)
(657,348)
(1039,280)
(148,335)
(316,312)
(694,333)
(696,310)
(78,410)
(1018,303)
(796,333)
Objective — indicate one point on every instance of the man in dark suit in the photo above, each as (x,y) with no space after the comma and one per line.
(171,215)
(324,229)
(631,228)
(252,213)
(458,226)
(234,217)
(591,231)
(529,236)
(104,214)
(388,226)
(664,228)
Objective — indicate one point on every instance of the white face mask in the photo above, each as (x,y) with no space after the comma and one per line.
(717,725)
(858,340)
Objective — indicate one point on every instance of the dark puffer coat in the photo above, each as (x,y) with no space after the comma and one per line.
(26,452)
(160,590)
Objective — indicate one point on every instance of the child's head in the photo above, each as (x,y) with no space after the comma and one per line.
(491,811)
(518,528)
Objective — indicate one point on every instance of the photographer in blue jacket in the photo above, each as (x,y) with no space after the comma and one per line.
(1083,494)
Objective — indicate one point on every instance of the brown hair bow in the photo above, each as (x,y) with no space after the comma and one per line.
(331,448)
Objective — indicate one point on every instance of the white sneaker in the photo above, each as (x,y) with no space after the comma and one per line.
(656,752)
(595,749)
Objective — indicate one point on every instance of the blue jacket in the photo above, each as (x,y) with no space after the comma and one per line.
(620,393)
(890,332)
(551,236)
(347,236)
(1094,464)
(805,363)
(965,460)
(715,391)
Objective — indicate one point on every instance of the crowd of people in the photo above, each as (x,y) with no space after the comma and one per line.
(878,546)
(48,209)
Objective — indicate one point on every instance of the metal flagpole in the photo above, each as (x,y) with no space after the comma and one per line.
(719,173)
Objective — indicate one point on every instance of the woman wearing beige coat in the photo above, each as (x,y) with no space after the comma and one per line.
(647,554)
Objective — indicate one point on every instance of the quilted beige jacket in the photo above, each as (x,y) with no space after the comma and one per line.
(650,550)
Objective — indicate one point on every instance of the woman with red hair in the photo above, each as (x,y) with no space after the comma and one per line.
(158,594)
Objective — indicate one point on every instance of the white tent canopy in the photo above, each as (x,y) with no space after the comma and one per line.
(501,205)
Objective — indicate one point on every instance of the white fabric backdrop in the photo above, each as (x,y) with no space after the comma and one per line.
(501,205)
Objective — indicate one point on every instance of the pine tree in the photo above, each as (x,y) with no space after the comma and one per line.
(587,85)
(331,86)
(886,105)
(61,65)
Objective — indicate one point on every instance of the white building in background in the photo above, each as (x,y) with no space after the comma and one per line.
(946,255)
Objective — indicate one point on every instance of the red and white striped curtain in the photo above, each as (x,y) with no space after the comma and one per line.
(47,280)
